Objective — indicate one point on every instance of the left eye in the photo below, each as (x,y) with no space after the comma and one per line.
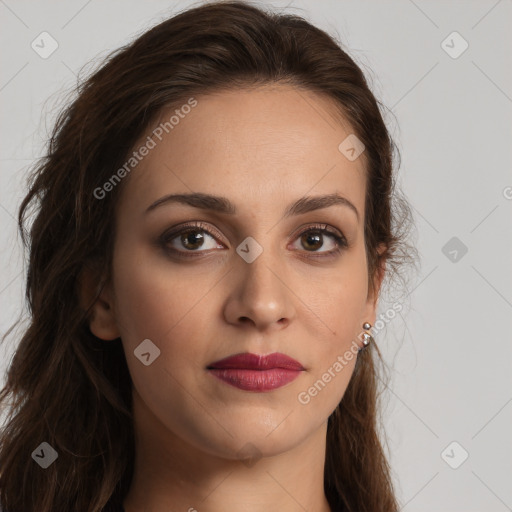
(314,238)
(193,237)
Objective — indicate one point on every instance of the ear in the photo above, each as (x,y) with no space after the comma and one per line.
(370,310)
(98,297)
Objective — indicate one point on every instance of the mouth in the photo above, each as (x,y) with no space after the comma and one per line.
(252,372)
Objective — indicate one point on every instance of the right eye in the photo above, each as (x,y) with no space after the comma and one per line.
(189,238)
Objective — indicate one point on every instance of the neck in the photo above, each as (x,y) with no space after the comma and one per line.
(171,474)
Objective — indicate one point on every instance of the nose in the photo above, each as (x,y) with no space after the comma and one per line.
(260,296)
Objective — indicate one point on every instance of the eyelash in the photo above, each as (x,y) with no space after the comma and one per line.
(166,237)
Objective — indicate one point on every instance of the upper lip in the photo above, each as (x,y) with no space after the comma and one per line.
(249,361)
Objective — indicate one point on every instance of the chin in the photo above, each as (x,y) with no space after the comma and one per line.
(254,442)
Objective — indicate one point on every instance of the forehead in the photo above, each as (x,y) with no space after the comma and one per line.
(254,145)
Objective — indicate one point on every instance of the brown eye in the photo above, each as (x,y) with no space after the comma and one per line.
(318,240)
(312,239)
(186,240)
(192,239)
(318,237)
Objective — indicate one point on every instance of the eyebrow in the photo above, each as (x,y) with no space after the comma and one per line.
(225,206)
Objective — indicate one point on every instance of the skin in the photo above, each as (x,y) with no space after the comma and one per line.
(261,148)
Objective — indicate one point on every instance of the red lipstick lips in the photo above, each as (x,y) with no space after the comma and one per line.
(252,372)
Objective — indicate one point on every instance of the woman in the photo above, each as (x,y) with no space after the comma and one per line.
(215,218)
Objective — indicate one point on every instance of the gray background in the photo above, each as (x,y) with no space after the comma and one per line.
(450,348)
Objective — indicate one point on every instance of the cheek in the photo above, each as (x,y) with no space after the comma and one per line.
(318,398)
(155,297)
(337,308)
(334,363)
(162,305)
(170,306)
(338,301)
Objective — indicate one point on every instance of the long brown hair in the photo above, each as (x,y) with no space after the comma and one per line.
(66,387)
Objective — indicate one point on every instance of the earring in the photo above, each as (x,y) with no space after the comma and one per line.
(367,338)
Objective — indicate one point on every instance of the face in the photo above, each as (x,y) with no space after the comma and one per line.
(259,277)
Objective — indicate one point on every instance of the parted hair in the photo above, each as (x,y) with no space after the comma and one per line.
(72,390)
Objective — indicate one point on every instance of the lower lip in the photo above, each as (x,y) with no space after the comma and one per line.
(256,380)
